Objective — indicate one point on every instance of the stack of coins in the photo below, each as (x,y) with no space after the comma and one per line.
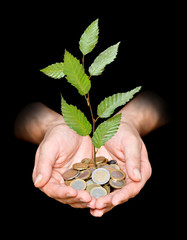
(98,181)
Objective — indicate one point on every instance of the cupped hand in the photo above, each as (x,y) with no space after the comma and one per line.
(128,149)
(60,148)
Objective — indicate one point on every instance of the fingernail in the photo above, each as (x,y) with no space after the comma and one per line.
(137,174)
(38,179)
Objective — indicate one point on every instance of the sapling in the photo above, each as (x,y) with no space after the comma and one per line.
(74,71)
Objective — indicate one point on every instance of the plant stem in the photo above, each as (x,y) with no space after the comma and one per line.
(83,61)
(93,120)
(93,126)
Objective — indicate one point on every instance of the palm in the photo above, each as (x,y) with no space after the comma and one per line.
(123,147)
(60,148)
(66,147)
(67,155)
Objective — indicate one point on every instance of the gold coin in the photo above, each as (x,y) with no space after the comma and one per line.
(117,184)
(100,165)
(78,184)
(80,166)
(117,175)
(86,160)
(99,160)
(91,165)
(70,174)
(67,183)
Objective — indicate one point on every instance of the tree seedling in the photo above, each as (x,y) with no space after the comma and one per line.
(74,71)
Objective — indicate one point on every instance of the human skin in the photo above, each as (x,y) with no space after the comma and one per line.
(60,147)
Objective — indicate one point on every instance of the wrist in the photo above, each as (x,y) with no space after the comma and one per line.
(142,113)
(33,122)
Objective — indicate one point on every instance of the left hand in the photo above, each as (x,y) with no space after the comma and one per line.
(128,149)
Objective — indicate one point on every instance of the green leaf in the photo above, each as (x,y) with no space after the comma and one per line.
(75,119)
(55,70)
(104,58)
(89,38)
(75,74)
(108,105)
(106,130)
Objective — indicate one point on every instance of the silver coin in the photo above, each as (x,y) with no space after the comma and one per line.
(78,184)
(98,192)
(100,176)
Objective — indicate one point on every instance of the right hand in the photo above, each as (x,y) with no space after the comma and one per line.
(61,147)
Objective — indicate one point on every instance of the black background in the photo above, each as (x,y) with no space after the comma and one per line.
(150,55)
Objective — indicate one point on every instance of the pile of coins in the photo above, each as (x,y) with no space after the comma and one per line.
(97,181)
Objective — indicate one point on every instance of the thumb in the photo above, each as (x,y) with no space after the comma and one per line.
(133,160)
(43,167)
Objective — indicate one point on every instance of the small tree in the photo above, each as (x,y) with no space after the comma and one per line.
(74,72)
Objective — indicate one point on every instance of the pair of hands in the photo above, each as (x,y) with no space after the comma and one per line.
(62,147)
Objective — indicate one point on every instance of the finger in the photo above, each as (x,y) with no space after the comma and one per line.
(66,194)
(145,164)
(58,191)
(45,159)
(100,212)
(81,200)
(132,152)
(80,204)
(127,192)
(104,201)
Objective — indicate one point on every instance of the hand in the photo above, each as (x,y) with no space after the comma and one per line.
(128,149)
(60,148)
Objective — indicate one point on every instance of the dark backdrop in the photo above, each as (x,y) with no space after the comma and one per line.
(149,55)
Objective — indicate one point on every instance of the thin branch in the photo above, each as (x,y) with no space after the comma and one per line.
(83,61)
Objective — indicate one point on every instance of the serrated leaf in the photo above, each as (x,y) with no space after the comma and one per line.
(89,38)
(55,70)
(75,74)
(75,119)
(108,105)
(106,131)
(104,58)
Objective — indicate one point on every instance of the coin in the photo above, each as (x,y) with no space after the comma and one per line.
(98,192)
(84,174)
(78,184)
(91,165)
(108,167)
(100,176)
(117,184)
(111,162)
(70,174)
(89,182)
(86,160)
(117,174)
(91,169)
(67,183)
(107,187)
(99,160)
(115,166)
(90,186)
(80,166)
